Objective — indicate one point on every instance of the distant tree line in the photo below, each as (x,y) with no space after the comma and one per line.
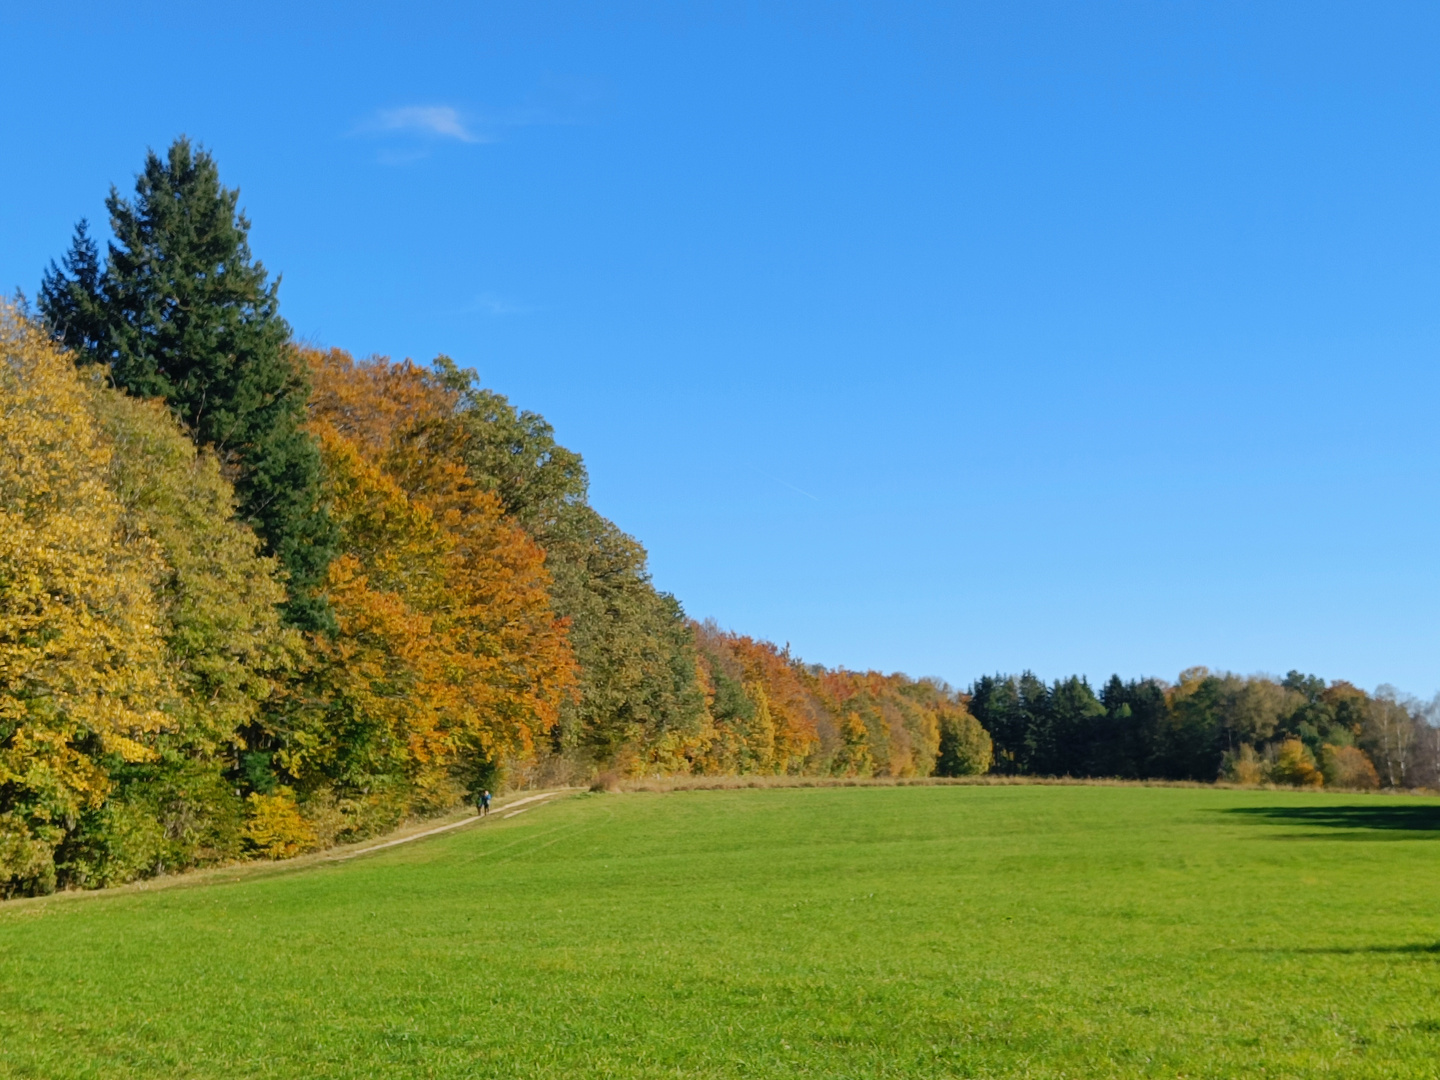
(1296,730)
(258,598)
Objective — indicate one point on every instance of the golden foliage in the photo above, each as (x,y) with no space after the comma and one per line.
(1295,764)
(275,829)
(854,757)
(901,716)
(769,713)
(786,733)
(81,645)
(380,677)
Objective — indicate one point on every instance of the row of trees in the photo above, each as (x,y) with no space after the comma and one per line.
(1295,730)
(258,598)
(770,713)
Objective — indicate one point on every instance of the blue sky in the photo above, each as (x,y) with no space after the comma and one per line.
(938,338)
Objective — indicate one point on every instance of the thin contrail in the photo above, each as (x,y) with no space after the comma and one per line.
(792,487)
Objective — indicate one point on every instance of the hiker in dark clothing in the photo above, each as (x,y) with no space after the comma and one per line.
(484,807)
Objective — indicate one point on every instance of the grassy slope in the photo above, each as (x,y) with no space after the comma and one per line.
(1008,931)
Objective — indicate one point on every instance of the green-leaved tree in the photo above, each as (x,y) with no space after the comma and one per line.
(638,679)
(181,310)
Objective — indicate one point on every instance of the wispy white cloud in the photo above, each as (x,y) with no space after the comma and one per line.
(409,133)
(436,121)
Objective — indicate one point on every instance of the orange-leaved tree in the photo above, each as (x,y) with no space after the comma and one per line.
(902,720)
(763,711)
(449,662)
(768,712)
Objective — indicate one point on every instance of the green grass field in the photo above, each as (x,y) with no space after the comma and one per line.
(860,932)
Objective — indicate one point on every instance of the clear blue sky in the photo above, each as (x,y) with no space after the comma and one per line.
(938,338)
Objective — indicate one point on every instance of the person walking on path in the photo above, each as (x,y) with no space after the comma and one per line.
(484,803)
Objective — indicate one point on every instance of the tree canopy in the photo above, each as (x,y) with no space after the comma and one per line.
(181,310)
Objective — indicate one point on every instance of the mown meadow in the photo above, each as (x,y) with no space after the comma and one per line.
(1037,931)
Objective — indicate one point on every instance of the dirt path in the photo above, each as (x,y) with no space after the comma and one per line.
(511,807)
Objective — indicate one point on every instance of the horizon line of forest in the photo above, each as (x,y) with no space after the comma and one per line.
(258,598)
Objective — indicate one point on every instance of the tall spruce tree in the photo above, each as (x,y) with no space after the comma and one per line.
(181,310)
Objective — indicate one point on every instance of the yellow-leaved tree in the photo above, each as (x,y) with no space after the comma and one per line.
(81,643)
(226,653)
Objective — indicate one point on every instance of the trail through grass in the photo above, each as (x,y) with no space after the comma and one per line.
(928,931)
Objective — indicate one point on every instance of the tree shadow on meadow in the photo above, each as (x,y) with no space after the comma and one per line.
(1414,820)
(1432,947)
(1418,949)
(1376,821)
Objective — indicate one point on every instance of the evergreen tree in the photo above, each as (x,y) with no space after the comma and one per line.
(1076,724)
(1128,741)
(1015,710)
(70,298)
(183,311)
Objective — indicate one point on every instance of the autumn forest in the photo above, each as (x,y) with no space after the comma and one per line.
(259,598)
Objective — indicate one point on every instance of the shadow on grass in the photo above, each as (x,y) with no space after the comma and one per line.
(1419,948)
(1408,818)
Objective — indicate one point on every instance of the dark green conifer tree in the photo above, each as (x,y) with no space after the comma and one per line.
(181,310)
